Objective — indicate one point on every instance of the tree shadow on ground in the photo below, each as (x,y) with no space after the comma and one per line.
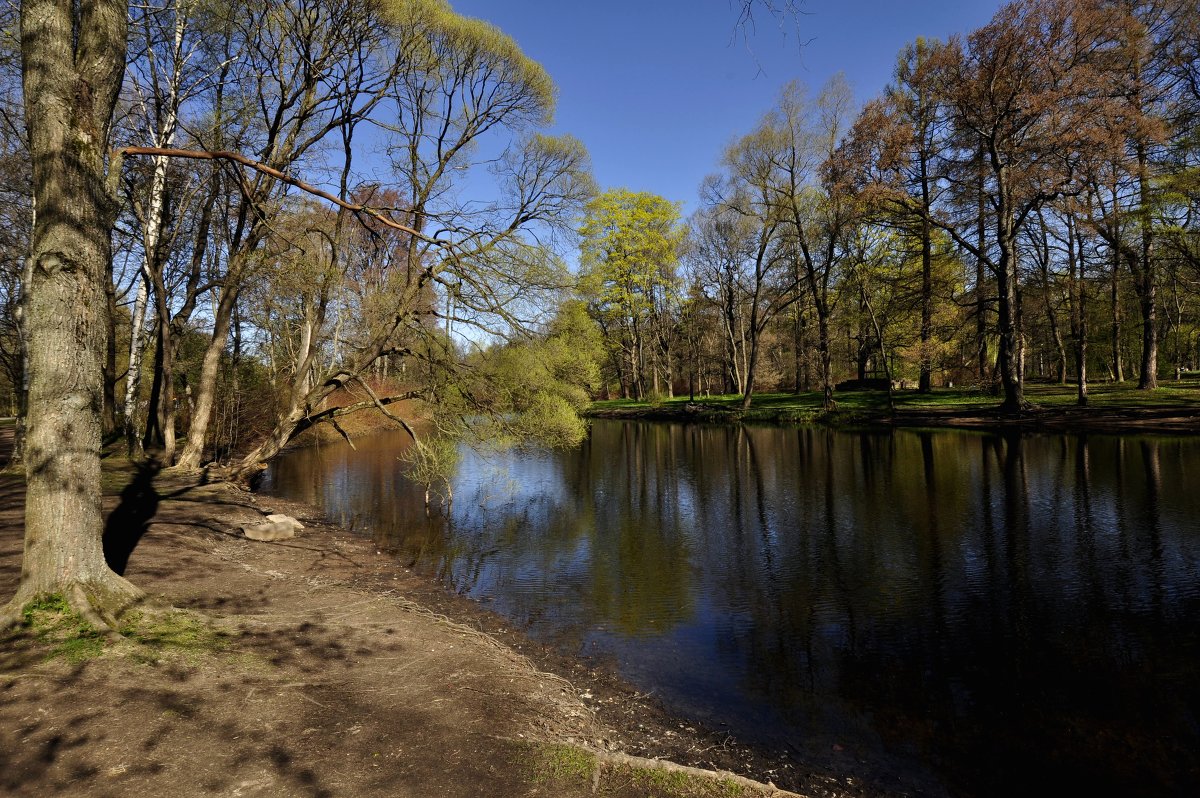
(126,524)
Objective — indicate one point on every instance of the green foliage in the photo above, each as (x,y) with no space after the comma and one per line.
(432,462)
(434,36)
(631,245)
(531,390)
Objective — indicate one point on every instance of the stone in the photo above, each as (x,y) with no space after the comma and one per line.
(276,526)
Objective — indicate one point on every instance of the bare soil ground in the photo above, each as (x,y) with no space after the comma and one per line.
(315,667)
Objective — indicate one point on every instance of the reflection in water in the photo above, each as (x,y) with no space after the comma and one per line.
(933,611)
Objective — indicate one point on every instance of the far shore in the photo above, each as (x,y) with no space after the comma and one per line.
(1171,409)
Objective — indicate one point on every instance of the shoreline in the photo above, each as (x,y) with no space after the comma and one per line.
(311,630)
(635,723)
(1101,419)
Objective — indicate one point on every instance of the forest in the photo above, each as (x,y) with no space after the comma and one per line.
(1020,203)
(348,205)
(267,217)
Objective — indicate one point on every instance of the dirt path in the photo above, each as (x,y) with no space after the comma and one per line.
(297,668)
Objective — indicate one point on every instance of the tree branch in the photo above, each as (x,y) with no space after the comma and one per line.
(225,155)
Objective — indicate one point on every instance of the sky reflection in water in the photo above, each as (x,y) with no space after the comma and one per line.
(934,611)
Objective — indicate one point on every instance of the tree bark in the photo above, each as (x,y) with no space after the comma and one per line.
(981,321)
(108,416)
(133,374)
(1006,285)
(925,380)
(1118,367)
(73,62)
(193,449)
(1079,331)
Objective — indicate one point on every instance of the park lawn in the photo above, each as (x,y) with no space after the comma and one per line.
(1047,398)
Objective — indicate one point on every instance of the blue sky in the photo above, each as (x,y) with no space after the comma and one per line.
(657,88)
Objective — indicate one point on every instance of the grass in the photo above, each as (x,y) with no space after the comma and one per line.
(52,621)
(158,633)
(564,763)
(572,768)
(146,636)
(859,406)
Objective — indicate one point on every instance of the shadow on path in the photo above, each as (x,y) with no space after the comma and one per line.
(131,519)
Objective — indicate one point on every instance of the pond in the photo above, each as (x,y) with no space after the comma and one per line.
(936,612)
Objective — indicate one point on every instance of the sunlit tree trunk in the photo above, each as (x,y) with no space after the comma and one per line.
(73,62)
(193,449)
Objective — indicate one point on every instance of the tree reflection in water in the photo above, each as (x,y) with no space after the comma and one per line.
(935,611)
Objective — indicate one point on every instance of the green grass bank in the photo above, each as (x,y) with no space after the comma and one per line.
(1173,408)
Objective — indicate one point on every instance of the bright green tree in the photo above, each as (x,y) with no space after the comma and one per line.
(631,243)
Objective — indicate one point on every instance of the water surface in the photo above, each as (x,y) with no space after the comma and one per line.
(935,612)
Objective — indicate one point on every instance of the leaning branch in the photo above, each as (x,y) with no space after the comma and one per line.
(345,410)
(379,405)
(226,155)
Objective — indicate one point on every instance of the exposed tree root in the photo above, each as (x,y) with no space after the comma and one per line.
(615,759)
(10,616)
(1020,408)
(99,602)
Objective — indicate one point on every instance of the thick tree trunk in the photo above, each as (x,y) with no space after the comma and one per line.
(1081,361)
(1079,328)
(981,322)
(73,61)
(1148,301)
(823,345)
(1147,279)
(751,368)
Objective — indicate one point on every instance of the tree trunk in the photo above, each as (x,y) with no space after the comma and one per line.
(21,427)
(1148,301)
(925,380)
(193,449)
(1118,368)
(751,368)
(1079,331)
(823,346)
(108,417)
(981,324)
(133,374)
(73,62)
(1006,278)
(151,264)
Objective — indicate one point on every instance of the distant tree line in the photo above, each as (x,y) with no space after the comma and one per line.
(1019,203)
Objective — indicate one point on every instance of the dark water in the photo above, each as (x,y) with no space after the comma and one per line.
(935,612)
